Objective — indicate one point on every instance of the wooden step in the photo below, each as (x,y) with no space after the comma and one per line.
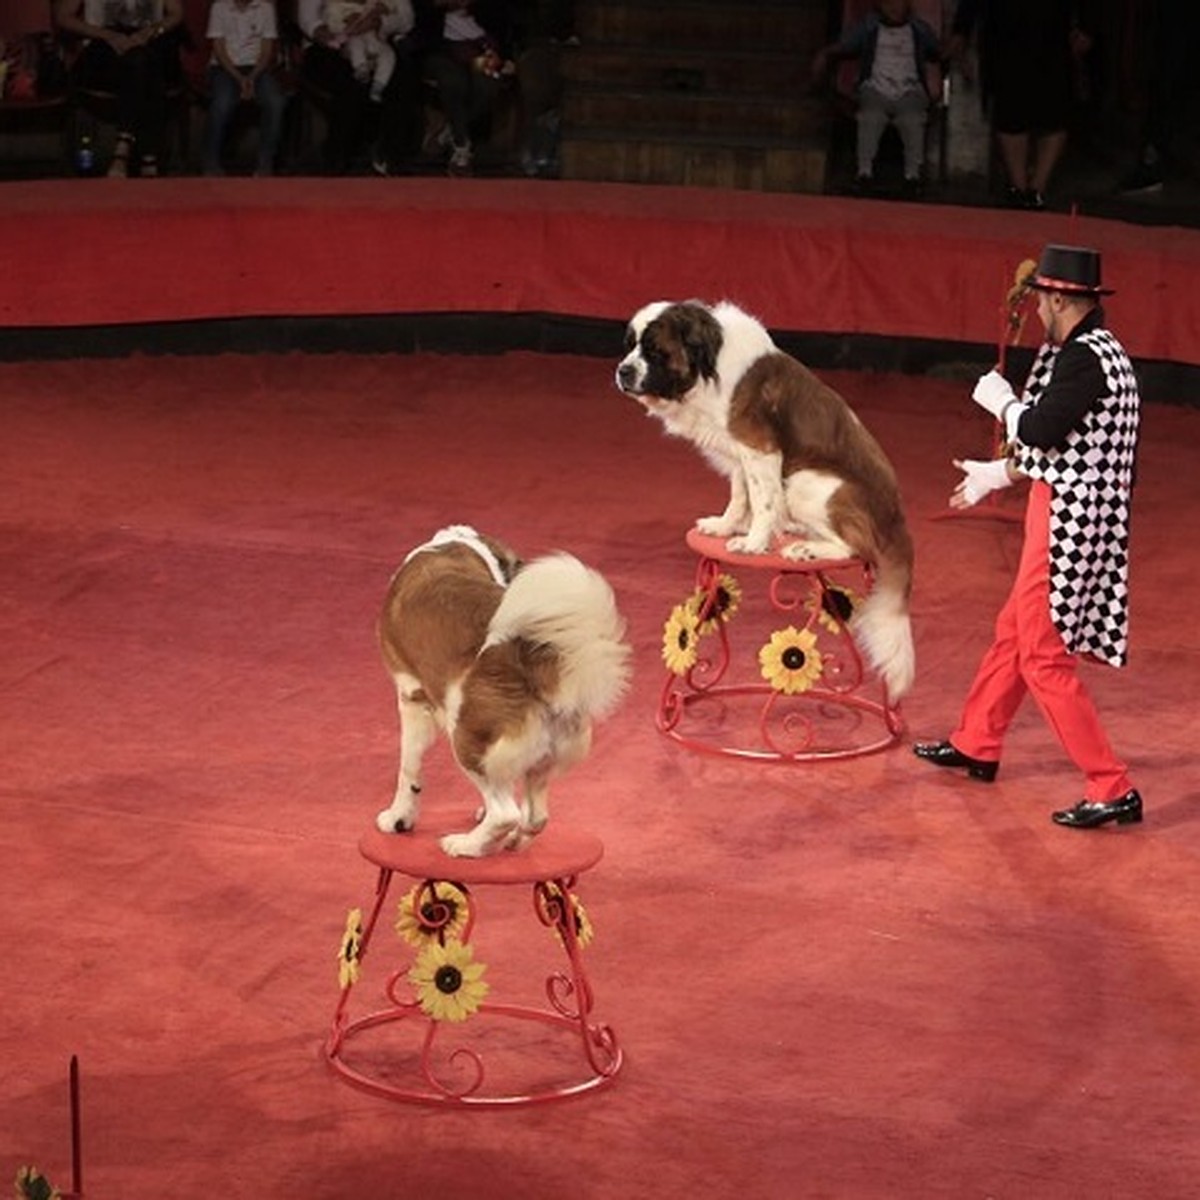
(618,156)
(645,111)
(659,68)
(781,26)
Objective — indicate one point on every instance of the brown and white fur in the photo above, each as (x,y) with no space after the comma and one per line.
(798,459)
(512,661)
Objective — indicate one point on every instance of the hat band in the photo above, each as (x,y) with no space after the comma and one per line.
(1063,285)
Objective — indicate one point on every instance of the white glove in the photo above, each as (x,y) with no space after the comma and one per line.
(993,393)
(979,479)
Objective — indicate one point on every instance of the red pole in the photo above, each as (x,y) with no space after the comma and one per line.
(76,1143)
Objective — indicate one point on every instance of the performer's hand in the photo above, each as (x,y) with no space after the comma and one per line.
(993,393)
(979,480)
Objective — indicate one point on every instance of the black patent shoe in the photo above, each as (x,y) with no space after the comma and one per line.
(942,754)
(1125,810)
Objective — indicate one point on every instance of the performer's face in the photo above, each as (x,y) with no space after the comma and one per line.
(1050,313)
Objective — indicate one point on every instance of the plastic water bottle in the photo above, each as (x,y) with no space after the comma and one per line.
(85,156)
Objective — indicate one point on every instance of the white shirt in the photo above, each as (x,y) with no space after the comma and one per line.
(894,71)
(397,18)
(461,26)
(122,14)
(242,29)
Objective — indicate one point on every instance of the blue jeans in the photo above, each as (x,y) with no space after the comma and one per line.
(225,94)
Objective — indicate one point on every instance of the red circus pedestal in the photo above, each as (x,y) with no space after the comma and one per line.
(497,1054)
(761,663)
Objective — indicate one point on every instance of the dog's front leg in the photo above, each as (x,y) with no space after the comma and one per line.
(736,517)
(418,731)
(501,822)
(764,488)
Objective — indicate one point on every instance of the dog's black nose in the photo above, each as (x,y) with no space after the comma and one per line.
(626,375)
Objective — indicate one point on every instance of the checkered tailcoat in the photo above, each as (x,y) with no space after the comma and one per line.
(1090,472)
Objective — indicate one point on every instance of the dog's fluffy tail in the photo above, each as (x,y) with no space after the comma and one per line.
(556,601)
(881,625)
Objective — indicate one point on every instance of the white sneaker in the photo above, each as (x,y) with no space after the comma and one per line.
(460,159)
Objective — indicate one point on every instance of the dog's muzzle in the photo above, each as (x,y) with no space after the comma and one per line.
(629,378)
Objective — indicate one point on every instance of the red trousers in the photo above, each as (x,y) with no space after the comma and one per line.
(1028,655)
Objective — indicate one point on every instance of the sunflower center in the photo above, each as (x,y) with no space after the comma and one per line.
(437,912)
(447,979)
(792,658)
(683,639)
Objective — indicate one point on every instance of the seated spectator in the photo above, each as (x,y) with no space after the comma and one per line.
(892,47)
(540,30)
(371,55)
(386,127)
(470,63)
(1030,53)
(244,38)
(131,49)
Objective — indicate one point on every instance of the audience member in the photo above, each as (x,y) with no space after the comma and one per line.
(470,62)
(1028,52)
(1164,37)
(130,49)
(892,47)
(371,55)
(244,38)
(387,128)
(541,29)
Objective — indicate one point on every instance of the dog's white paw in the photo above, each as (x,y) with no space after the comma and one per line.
(748,545)
(463,845)
(393,820)
(816,551)
(716,527)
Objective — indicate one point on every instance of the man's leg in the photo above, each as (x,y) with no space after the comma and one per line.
(1051,672)
(911,113)
(223,99)
(872,120)
(271,106)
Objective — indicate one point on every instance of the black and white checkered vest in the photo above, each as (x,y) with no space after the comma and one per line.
(1091,476)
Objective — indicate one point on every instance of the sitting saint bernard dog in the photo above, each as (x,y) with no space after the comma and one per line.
(513,661)
(798,459)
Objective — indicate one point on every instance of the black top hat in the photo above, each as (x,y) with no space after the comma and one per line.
(1074,270)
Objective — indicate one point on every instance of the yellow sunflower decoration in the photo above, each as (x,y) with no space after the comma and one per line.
(680,635)
(432,910)
(790,661)
(835,606)
(449,983)
(584,931)
(726,595)
(350,949)
(33,1185)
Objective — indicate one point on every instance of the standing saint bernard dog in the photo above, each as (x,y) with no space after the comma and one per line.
(513,661)
(799,461)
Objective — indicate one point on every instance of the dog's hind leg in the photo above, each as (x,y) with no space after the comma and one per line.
(500,826)
(535,808)
(418,731)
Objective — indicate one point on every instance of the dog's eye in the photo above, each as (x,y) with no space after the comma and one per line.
(630,340)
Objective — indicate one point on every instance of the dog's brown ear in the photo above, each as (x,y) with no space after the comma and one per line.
(506,556)
(700,333)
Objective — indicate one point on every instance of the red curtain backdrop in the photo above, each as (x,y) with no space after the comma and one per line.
(92,254)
